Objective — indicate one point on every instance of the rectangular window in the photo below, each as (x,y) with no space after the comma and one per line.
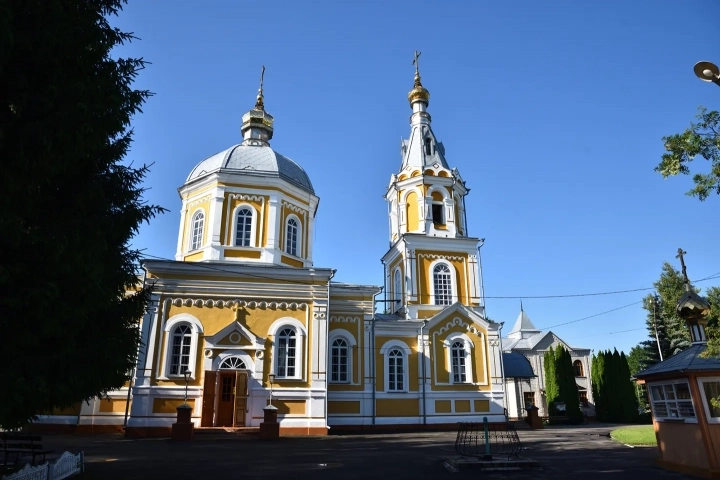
(710,389)
(672,401)
(437,214)
(529,398)
(583,399)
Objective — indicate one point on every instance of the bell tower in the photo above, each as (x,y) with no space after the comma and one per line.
(432,262)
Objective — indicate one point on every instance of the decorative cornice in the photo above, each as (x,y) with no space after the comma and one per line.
(293,207)
(341,319)
(243,196)
(200,200)
(454,322)
(445,257)
(236,303)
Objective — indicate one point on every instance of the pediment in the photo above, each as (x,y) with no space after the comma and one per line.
(458,310)
(235,335)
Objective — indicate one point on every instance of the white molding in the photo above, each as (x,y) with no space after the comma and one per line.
(299,238)
(351,353)
(468,346)
(191,230)
(674,381)
(241,354)
(705,400)
(196,329)
(384,351)
(301,339)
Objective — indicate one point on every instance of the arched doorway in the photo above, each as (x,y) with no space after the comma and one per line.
(230,383)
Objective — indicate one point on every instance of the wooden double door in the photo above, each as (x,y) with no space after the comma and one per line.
(225,395)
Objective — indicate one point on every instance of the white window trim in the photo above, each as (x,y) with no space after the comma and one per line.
(385,351)
(671,419)
(705,400)
(292,216)
(242,355)
(350,339)
(300,346)
(453,280)
(196,329)
(192,230)
(253,225)
(469,345)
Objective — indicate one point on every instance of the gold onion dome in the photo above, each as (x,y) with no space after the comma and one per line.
(418,92)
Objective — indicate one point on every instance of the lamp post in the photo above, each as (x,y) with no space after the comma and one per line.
(272,379)
(707,72)
(186,374)
(657,338)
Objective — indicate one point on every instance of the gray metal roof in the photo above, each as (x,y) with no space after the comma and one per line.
(687,360)
(517,366)
(523,324)
(253,160)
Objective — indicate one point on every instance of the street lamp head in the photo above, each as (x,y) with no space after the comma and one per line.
(272,378)
(186,374)
(707,72)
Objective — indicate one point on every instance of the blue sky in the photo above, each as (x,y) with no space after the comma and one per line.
(552,111)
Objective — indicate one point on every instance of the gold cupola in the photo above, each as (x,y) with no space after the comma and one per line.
(257,124)
(418,93)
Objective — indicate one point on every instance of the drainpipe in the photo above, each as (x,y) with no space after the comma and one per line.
(327,345)
(373,367)
(424,374)
(134,371)
(502,372)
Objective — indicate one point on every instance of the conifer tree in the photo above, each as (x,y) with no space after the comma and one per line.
(597,384)
(568,390)
(552,391)
(627,393)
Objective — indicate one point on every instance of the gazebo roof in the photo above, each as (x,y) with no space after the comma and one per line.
(689,360)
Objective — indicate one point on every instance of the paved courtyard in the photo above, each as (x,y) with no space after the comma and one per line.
(579,452)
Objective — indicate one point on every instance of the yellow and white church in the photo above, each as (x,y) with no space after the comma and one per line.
(243,304)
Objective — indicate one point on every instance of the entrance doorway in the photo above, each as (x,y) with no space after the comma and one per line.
(225,395)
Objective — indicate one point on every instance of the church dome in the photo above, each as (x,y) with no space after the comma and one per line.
(251,160)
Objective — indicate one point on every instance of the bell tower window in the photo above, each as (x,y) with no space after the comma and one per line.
(292,237)
(437,214)
(442,283)
(243,228)
(428,146)
(198,222)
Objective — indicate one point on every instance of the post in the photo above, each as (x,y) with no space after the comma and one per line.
(657,338)
(487,455)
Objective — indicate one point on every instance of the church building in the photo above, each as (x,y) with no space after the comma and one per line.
(243,315)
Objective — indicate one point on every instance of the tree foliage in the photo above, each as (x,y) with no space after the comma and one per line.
(552,390)
(560,386)
(70,206)
(712,295)
(702,139)
(639,359)
(613,391)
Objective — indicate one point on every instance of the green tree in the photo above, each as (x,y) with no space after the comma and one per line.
(657,330)
(598,384)
(552,390)
(70,204)
(712,295)
(702,139)
(567,386)
(638,359)
(629,400)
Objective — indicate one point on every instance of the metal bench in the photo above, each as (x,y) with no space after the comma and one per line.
(18,446)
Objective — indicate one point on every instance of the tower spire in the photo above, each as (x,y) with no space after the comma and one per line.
(691,307)
(418,94)
(257,124)
(259,104)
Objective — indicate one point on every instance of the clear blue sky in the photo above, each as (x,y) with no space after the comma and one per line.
(552,111)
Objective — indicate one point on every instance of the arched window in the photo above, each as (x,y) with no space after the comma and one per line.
(339,358)
(198,223)
(442,283)
(397,290)
(578,367)
(291,237)
(396,370)
(181,343)
(459,362)
(243,227)
(286,353)
(233,363)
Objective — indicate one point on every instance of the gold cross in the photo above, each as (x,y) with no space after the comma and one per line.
(262,77)
(416,62)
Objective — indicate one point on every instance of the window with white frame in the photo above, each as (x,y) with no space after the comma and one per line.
(459,362)
(442,284)
(291,237)
(339,361)
(710,390)
(198,222)
(396,370)
(181,347)
(286,353)
(233,363)
(672,401)
(243,227)
(397,288)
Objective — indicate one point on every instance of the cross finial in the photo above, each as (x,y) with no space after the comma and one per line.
(259,104)
(680,255)
(416,62)
(521,307)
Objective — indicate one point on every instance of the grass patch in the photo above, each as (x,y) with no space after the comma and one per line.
(635,435)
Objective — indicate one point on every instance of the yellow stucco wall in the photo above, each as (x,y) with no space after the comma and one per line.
(411,366)
(426,258)
(398,408)
(440,359)
(232,253)
(169,405)
(227,225)
(111,405)
(443,406)
(413,221)
(290,407)
(347,407)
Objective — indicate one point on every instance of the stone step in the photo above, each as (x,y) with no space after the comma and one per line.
(223,431)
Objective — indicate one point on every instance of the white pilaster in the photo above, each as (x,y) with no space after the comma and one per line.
(183,213)
(273,223)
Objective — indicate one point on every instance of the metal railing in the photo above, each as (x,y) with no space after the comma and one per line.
(487,440)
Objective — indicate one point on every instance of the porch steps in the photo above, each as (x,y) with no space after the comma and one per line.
(208,433)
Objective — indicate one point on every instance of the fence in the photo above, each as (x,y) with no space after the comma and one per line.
(66,466)
(487,440)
